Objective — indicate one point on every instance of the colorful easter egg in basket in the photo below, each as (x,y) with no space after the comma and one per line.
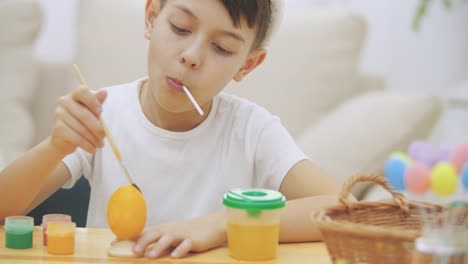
(401,155)
(395,171)
(444,179)
(460,156)
(441,154)
(417,178)
(464,176)
(421,151)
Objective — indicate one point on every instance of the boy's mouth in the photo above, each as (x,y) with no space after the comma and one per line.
(175,84)
(178,81)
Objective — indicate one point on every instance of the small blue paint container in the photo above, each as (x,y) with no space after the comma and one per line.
(19,232)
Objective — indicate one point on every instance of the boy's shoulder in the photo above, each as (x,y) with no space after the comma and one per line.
(122,93)
(118,89)
(121,96)
(242,108)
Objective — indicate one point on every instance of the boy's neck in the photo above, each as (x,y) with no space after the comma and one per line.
(176,122)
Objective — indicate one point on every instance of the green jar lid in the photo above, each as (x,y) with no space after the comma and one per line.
(19,224)
(254,199)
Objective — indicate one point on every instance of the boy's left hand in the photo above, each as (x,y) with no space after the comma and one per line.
(195,235)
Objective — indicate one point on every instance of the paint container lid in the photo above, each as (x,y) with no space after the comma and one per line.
(55,218)
(19,224)
(60,228)
(254,200)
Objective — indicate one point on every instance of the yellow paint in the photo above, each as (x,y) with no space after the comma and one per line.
(253,242)
(61,244)
(61,238)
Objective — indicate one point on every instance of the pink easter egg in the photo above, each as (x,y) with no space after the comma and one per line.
(459,156)
(417,178)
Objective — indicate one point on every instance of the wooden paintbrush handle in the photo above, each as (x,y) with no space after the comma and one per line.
(106,131)
(110,139)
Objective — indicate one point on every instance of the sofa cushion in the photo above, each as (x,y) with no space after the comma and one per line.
(111,47)
(359,135)
(311,67)
(58,79)
(21,22)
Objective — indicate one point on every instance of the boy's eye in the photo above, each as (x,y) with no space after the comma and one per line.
(221,50)
(179,30)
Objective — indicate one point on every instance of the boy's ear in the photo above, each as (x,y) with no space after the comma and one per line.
(152,9)
(255,58)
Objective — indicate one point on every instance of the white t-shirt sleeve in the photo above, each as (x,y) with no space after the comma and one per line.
(79,163)
(275,155)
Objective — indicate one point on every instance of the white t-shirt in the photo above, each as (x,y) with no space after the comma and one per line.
(183,175)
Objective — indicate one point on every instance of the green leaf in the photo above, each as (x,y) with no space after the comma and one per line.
(420,13)
(448,3)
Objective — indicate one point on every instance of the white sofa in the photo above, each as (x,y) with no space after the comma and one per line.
(341,117)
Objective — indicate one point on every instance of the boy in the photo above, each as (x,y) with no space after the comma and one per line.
(183,162)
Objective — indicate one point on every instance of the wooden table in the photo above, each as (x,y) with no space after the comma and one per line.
(91,247)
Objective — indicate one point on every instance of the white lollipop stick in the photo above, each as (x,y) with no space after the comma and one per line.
(200,111)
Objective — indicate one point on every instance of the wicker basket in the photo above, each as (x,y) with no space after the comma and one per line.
(373,232)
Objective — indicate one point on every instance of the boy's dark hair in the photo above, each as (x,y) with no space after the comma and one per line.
(257,13)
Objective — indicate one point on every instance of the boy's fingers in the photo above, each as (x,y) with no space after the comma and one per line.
(87,119)
(163,243)
(101,95)
(82,131)
(146,239)
(88,99)
(183,249)
(78,140)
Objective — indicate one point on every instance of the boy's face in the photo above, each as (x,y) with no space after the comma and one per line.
(194,43)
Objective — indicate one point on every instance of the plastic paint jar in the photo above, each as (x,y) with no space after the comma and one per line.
(430,250)
(253,220)
(19,232)
(49,218)
(61,238)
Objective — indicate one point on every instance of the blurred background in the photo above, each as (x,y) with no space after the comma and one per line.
(431,58)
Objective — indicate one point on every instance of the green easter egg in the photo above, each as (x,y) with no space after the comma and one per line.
(401,155)
(444,179)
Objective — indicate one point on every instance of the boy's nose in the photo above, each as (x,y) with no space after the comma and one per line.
(189,62)
(191,57)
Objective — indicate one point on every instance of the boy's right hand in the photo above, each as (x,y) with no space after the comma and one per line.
(77,123)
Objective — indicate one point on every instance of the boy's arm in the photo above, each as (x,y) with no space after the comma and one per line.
(30,179)
(39,172)
(307,188)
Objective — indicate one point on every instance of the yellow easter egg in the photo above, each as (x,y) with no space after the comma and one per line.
(444,179)
(126,212)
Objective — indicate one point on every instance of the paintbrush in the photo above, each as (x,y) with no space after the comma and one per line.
(107,132)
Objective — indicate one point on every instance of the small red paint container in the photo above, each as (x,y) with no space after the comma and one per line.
(52,218)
